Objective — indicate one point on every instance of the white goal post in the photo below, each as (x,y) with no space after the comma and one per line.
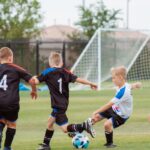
(110,48)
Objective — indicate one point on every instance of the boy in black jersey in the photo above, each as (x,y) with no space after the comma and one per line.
(10,75)
(58,79)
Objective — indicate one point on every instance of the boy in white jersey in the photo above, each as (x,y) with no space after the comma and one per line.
(119,109)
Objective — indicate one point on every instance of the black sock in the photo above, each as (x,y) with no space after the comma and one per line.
(10,133)
(109,137)
(75,127)
(48,136)
(2,125)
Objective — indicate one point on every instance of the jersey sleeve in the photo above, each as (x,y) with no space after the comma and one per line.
(71,77)
(42,77)
(24,74)
(119,96)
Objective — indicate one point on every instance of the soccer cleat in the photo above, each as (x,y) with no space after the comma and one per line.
(44,146)
(89,127)
(110,145)
(72,134)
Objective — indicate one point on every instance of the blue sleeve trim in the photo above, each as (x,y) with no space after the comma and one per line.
(120,94)
(48,70)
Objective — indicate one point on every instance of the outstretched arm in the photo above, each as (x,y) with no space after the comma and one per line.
(83,81)
(136,85)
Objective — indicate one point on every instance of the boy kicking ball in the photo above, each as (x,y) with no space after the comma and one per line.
(118,110)
(57,79)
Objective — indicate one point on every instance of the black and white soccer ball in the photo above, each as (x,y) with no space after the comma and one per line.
(80,141)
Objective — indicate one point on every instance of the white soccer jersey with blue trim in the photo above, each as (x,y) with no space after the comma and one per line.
(123,101)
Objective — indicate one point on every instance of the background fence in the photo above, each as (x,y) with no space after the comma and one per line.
(33,55)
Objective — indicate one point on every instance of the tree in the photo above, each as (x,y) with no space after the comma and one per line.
(96,16)
(19,18)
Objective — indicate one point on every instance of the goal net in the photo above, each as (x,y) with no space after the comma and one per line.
(111,48)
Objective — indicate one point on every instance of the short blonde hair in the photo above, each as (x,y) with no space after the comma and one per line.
(121,70)
(55,58)
(5,52)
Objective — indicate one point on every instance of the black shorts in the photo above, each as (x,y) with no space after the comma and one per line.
(11,115)
(60,115)
(116,119)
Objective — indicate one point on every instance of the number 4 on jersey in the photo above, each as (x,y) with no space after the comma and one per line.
(3,83)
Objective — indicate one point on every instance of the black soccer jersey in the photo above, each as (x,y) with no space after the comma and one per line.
(57,80)
(10,75)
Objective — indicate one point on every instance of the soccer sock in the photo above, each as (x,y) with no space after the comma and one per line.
(2,125)
(48,136)
(75,127)
(109,137)
(10,133)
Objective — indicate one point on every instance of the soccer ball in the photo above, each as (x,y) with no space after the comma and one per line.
(80,141)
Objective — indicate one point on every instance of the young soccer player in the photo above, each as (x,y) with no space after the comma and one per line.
(119,109)
(57,80)
(10,75)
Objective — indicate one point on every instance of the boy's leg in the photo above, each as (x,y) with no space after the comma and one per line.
(11,118)
(62,121)
(87,126)
(49,131)
(48,135)
(72,129)
(109,134)
(10,133)
(114,122)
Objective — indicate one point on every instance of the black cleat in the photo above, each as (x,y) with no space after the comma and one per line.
(89,128)
(110,145)
(44,146)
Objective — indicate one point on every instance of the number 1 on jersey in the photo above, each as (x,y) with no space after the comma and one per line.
(60,85)
(3,83)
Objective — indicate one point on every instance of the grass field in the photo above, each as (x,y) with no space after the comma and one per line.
(134,135)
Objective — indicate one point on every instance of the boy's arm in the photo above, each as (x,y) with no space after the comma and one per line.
(103,108)
(33,87)
(83,81)
(136,85)
(33,81)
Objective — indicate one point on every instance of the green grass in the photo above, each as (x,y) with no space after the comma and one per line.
(134,135)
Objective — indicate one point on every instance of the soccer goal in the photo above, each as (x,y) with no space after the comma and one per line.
(111,48)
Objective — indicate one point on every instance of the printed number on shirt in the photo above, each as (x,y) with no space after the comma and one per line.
(3,83)
(60,85)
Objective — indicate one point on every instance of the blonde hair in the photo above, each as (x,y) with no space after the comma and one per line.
(120,71)
(5,52)
(55,59)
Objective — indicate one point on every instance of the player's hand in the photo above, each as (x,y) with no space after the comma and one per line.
(138,85)
(33,95)
(93,86)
